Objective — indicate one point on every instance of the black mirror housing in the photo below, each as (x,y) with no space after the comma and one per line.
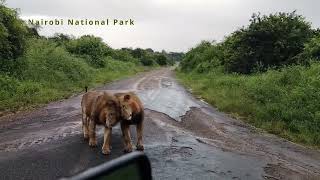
(133,166)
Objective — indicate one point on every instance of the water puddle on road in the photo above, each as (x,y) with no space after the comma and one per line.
(174,102)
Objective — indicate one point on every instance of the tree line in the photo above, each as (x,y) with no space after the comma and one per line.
(15,37)
(268,42)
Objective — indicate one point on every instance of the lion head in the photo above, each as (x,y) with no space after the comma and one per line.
(106,109)
(125,106)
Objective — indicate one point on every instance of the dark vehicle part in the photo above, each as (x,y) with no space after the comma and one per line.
(133,166)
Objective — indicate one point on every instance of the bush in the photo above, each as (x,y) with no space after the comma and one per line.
(311,51)
(162,60)
(124,55)
(15,93)
(147,60)
(61,39)
(53,65)
(91,48)
(289,97)
(138,53)
(269,41)
(115,69)
(8,86)
(203,58)
(13,33)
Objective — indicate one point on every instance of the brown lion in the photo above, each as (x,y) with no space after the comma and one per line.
(132,113)
(99,108)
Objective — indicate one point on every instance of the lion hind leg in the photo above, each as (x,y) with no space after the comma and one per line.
(92,133)
(139,129)
(85,124)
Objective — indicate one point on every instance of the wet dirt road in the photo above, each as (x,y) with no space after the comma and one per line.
(184,138)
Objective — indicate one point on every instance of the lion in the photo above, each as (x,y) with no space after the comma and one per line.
(131,113)
(99,108)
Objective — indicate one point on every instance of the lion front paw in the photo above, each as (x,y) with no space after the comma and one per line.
(127,150)
(106,151)
(93,143)
(140,147)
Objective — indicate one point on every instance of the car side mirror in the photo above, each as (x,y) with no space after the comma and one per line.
(133,166)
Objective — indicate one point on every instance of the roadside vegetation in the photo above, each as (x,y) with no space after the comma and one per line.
(267,74)
(36,70)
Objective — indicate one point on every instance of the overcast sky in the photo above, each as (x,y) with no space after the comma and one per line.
(172,25)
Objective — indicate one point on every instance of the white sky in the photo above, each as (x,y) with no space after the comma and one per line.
(172,25)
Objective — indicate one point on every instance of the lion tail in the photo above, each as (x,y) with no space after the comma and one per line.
(86,88)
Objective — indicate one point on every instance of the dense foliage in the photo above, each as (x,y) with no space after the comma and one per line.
(311,51)
(270,41)
(91,48)
(267,74)
(13,34)
(36,69)
(206,56)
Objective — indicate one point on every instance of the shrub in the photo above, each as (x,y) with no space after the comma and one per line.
(124,55)
(13,33)
(52,64)
(61,39)
(161,60)
(203,58)
(91,48)
(311,51)
(147,60)
(269,41)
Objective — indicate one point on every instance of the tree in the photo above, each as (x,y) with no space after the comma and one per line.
(195,56)
(176,56)
(311,51)
(90,47)
(161,60)
(147,60)
(149,50)
(61,38)
(33,30)
(269,41)
(123,54)
(13,34)
(138,53)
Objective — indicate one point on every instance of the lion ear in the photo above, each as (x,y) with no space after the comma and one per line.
(127,97)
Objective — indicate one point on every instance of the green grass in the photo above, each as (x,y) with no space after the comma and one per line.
(51,73)
(285,102)
(24,94)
